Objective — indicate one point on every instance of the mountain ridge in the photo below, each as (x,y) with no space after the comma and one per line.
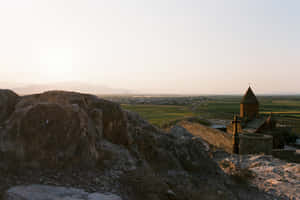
(76,86)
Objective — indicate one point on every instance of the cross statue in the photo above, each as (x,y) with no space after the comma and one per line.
(235,123)
(236,141)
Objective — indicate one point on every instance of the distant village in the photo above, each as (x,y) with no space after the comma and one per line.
(158,100)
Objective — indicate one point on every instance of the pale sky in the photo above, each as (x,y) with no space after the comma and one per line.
(172,46)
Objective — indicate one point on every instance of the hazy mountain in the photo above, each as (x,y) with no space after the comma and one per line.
(68,86)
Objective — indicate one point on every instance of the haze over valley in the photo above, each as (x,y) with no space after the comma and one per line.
(149,100)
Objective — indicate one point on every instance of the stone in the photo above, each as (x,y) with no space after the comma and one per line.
(44,192)
(180,132)
(97,116)
(114,119)
(51,134)
(57,128)
(8,101)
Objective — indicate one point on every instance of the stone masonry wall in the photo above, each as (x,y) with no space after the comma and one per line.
(255,143)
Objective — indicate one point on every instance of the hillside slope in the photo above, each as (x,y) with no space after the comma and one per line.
(72,139)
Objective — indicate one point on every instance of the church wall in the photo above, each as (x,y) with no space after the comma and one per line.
(249,110)
(251,143)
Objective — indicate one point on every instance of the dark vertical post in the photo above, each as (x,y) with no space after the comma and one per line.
(236,141)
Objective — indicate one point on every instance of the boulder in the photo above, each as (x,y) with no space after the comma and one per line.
(44,192)
(180,132)
(8,100)
(55,134)
(58,128)
(113,120)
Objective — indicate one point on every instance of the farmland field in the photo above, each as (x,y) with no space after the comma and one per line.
(284,108)
(160,114)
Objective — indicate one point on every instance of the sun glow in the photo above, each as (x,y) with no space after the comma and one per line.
(57,64)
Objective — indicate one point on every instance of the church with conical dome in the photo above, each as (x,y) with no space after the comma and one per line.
(250,120)
(249,133)
(249,130)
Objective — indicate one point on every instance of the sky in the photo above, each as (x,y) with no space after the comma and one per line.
(157,46)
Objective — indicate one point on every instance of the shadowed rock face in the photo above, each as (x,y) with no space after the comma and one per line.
(124,153)
(114,120)
(8,100)
(53,133)
(177,168)
(61,127)
(172,167)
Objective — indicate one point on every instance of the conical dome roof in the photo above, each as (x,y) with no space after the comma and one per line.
(249,97)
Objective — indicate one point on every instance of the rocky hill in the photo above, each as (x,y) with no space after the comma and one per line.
(67,139)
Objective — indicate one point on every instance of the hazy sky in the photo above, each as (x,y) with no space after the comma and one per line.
(179,46)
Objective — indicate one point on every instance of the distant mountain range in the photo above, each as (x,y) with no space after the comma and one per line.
(24,89)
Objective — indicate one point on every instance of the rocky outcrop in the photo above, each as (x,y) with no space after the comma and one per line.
(171,167)
(180,132)
(276,177)
(176,167)
(113,118)
(43,192)
(8,100)
(58,128)
(78,140)
(50,134)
